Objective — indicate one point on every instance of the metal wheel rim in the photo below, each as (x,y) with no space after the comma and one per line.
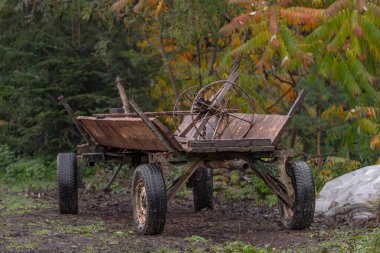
(141,203)
(222,114)
(176,107)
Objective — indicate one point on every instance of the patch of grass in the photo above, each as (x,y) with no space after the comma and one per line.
(184,192)
(27,185)
(196,239)
(16,204)
(229,247)
(16,246)
(234,187)
(124,233)
(42,232)
(165,250)
(357,240)
(85,230)
(237,246)
(89,249)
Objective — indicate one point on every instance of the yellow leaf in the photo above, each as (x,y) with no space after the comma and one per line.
(375,143)
(368,126)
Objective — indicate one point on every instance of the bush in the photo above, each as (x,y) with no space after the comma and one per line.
(28,169)
(6,157)
(332,168)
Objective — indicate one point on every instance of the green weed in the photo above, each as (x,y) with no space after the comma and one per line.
(15,204)
(21,246)
(42,232)
(124,233)
(196,239)
(83,230)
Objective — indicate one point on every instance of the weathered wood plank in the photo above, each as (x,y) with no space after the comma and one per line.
(191,167)
(230,143)
(228,149)
(152,127)
(239,127)
(128,133)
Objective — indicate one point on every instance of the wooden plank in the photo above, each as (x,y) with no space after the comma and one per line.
(297,103)
(191,167)
(263,127)
(228,149)
(127,133)
(268,126)
(152,127)
(230,143)
(168,134)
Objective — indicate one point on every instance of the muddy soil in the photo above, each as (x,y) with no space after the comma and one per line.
(105,225)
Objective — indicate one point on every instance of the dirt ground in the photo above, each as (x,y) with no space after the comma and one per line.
(105,225)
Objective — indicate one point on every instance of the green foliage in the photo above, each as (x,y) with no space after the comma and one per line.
(50,50)
(86,230)
(26,168)
(16,204)
(235,188)
(341,38)
(333,167)
(6,158)
(237,246)
(196,239)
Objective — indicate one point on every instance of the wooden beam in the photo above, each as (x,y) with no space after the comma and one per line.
(123,95)
(242,143)
(229,149)
(297,104)
(191,167)
(152,127)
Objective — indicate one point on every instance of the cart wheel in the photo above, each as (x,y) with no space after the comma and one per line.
(67,183)
(203,189)
(301,214)
(149,199)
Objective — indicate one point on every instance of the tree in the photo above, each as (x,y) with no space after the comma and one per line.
(324,46)
(50,48)
(185,34)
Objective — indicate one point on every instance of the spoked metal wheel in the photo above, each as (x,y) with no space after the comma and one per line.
(217,109)
(183,103)
(300,215)
(149,199)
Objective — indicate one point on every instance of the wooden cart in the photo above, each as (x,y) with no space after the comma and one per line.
(213,133)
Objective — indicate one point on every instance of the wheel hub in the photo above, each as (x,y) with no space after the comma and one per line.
(141,202)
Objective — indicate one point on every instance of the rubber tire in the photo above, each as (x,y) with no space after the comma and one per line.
(67,183)
(203,189)
(154,183)
(304,199)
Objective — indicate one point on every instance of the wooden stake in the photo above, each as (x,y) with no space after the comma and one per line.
(123,95)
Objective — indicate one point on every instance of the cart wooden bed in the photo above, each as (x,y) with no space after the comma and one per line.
(207,138)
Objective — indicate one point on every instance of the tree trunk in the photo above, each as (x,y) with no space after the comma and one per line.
(319,155)
(166,62)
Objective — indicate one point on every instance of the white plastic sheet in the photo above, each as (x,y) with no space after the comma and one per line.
(356,193)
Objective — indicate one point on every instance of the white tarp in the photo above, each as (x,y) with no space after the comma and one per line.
(356,193)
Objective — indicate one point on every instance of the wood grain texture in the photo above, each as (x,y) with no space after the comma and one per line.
(237,126)
(128,133)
